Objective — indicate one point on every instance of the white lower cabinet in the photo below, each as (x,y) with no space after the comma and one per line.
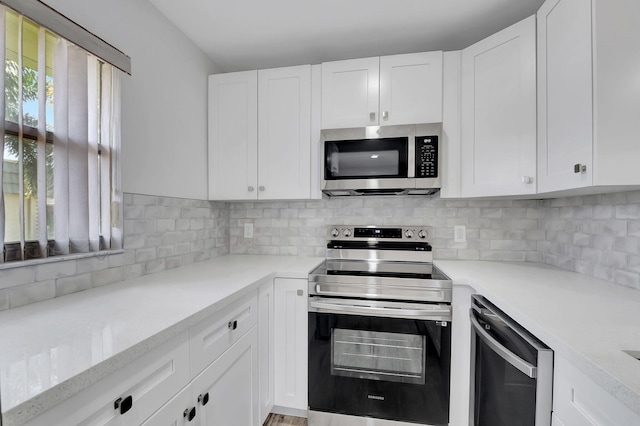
(230,386)
(177,412)
(214,335)
(229,369)
(140,387)
(578,401)
(225,393)
(266,333)
(555,421)
(290,349)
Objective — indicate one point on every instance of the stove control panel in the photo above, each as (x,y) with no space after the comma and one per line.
(378,233)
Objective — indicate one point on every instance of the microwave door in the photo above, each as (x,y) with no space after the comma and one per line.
(366,159)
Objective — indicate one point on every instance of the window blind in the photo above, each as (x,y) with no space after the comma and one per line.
(44,15)
(60,176)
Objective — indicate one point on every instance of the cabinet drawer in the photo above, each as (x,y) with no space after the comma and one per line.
(144,385)
(577,400)
(214,335)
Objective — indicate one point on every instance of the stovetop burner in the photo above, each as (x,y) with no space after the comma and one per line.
(392,263)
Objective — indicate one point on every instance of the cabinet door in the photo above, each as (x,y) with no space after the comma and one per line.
(284,133)
(233,136)
(350,93)
(411,88)
(181,410)
(565,95)
(230,386)
(499,113)
(265,348)
(555,420)
(578,400)
(291,343)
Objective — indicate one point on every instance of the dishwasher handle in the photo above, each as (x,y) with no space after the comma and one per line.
(513,359)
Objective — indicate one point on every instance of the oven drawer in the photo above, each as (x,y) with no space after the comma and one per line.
(380,288)
(381,308)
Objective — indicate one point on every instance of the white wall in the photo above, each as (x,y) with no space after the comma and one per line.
(164,102)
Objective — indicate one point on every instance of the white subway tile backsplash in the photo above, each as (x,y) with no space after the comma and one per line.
(596,235)
(159,233)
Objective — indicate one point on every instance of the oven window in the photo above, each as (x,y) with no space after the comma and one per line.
(366,158)
(377,355)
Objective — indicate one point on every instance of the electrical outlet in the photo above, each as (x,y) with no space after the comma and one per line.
(459,233)
(248,230)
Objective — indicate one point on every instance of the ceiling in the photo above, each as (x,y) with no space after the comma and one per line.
(252,34)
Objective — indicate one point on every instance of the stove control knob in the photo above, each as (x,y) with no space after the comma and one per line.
(408,233)
(347,232)
(422,234)
(335,232)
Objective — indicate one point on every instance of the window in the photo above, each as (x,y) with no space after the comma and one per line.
(59,176)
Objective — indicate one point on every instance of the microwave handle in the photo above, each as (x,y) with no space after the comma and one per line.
(504,353)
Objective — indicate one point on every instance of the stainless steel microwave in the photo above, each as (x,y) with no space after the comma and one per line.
(393,160)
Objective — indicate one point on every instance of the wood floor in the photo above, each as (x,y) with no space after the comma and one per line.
(282,420)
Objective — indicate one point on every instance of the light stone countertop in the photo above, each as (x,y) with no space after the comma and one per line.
(52,350)
(586,320)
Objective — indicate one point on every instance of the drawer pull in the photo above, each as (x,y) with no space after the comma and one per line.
(203,399)
(189,414)
(232,325)
(123,405)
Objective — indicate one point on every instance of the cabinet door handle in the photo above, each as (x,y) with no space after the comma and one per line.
(233,325)
(189,414)
(300,292)
(579,168)
(385,115)
(123,405)
(372,116)
(261,188)
(203,399)
(250,189)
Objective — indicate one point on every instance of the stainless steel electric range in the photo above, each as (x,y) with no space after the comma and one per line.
(379,330)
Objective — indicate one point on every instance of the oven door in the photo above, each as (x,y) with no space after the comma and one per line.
(372,365)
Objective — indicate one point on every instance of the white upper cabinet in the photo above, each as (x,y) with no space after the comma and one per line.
(260,134)
(411,88)
(390,90)
(350,93)
(284,133)
(565,95)
(498,113)
(233,136)
(588,94)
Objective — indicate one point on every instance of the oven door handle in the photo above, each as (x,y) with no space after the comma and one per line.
(513,359)
(368,310)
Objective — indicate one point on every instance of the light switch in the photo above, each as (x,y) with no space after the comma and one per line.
(248,230)
(459,233)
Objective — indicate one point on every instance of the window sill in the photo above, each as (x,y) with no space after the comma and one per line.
(75,256)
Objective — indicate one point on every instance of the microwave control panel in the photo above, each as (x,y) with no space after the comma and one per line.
(426,157)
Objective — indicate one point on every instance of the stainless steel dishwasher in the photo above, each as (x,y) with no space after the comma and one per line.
(511,370)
